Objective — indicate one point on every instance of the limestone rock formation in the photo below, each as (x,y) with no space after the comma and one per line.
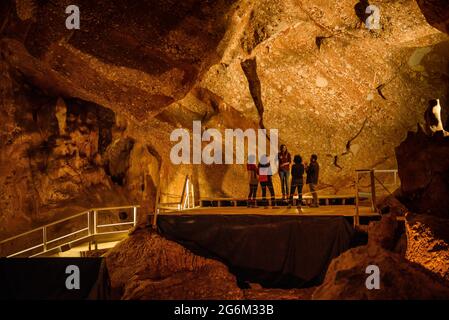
(331,86)
(413,263)
(399,279)
(147,266)
(383,233)
(428,243)
(51,156)
(423,167)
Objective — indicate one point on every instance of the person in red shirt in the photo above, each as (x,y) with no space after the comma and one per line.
(265,175)
(253,180)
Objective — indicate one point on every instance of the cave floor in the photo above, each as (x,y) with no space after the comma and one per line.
(338,210)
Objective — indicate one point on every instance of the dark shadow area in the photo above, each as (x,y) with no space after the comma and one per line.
(274,251)
(249,67)
(46,279)
(360,9)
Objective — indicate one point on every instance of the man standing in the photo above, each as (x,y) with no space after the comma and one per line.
(313,170)
(284,160)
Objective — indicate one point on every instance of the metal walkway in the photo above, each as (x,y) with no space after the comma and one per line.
(97,225)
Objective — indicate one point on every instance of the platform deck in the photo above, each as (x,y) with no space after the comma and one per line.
(339,210)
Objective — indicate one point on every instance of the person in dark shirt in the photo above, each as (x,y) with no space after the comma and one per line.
(297,180)
(265,178)
(284,159)
(313,170)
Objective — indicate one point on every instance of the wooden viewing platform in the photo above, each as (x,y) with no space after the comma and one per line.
(361,204)
(326,200)
(330,210)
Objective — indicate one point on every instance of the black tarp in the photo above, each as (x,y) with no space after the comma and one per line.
(45,279)
(275,251)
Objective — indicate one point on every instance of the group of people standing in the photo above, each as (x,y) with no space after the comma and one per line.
(262,174)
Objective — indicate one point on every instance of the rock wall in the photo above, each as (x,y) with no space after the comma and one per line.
(423,167)
(400,280)
(428,243)
(310,69)
(412,264)
(72,101)
(54,156)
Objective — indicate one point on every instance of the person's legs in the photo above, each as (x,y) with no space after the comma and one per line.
(282,176)
(292,191)
(263,186)
(270,187)
(254,194)
(299,194)
(312,187)
(287,178)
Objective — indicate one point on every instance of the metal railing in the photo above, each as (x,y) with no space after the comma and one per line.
(86,228)
(369,190)
(186,199)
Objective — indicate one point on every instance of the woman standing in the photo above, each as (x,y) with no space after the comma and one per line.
(284,159)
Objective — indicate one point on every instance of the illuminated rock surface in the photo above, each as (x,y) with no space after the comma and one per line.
(310,69)
(412,265)
(423,165)
(147,266)
(428,243)
(399,278)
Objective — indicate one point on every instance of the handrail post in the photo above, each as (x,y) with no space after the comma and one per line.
(89,225)
(89,228)
(187,204)
(135,215)
(193,197)
(94,227)
(44,238)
